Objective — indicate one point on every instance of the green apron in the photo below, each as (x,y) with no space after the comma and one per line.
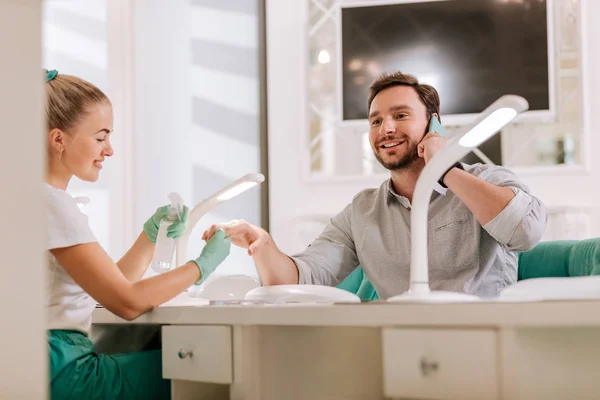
(78,372)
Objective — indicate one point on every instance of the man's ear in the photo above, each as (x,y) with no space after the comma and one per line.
(56,140)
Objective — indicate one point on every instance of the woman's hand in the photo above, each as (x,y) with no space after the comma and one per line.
(175,230)
(213,254)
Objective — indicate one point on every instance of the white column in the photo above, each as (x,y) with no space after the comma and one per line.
(23,347)
(162,110)
(121,73)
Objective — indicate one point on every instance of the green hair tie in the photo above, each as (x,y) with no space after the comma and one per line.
(51,74)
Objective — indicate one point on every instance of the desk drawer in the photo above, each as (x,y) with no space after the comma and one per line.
(440,364)
(197,353)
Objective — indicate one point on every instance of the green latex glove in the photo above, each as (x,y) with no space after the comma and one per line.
(214,252)
(175,230)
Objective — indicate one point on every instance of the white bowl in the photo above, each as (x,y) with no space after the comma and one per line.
(301,294)
(229,287)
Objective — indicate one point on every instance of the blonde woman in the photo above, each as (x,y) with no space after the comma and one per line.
(79,126)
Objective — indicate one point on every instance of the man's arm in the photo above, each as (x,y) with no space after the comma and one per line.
(273,266)
(484,199)
(332,256)
(502,205)
(499,201)
(327,261)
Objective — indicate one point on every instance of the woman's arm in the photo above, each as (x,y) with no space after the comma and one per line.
(97,274)
(135,262)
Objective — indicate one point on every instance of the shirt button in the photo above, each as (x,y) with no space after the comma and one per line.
(408,208)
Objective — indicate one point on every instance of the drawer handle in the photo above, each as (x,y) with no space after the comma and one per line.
(185,354)
(427,367)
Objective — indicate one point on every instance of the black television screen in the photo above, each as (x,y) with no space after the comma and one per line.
(471,51)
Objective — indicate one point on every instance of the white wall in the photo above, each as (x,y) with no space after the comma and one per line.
(294,200)
(23,346)
(196,110)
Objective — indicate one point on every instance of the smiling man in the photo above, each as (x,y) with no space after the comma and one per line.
(479,217)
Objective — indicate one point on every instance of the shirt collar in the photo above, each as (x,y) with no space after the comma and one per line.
(404,200)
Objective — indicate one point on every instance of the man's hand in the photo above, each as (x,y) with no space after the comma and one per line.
(431,144)
(273,266)
(242,234)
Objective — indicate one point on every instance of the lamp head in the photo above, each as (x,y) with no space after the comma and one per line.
(233,189)
(492,119)
(241,185)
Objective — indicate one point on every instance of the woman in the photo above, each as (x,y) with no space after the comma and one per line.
(79,123)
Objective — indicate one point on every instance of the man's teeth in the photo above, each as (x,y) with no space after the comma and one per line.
(391,144)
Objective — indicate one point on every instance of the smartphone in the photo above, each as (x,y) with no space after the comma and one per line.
(436,126)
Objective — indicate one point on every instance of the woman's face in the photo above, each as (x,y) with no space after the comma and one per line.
(88,143)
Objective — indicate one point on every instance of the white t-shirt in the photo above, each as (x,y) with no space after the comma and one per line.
(69,306)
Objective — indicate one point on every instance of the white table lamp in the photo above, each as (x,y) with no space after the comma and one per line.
(489,122)
(233,189)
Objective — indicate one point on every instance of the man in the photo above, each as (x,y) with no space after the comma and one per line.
(475,228)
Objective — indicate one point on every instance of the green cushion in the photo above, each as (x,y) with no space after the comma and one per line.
(353,281)
(585,258)
(559,258)
(360,285)
(547,259)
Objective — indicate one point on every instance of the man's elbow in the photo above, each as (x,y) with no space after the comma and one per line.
(526,238)
(276,280)
(531,229)
(289,275)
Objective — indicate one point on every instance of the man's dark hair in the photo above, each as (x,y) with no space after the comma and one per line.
(427,93)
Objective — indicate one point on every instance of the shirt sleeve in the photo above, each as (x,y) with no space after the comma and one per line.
(332,256)
(66,225)
(521,225)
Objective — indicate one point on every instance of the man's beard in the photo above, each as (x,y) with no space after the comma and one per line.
(408,159)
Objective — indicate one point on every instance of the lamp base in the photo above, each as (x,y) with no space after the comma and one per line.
(433,297)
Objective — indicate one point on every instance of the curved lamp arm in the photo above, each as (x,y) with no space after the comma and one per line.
(233,189)
(419,264)
(490,121)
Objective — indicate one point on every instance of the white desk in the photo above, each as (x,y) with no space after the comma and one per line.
(513,351)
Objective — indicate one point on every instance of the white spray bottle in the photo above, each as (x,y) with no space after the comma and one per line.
(165,246)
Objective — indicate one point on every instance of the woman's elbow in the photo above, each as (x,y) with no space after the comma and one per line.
(129,314)
(128,308)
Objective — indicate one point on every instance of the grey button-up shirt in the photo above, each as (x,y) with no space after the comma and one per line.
(374,232)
